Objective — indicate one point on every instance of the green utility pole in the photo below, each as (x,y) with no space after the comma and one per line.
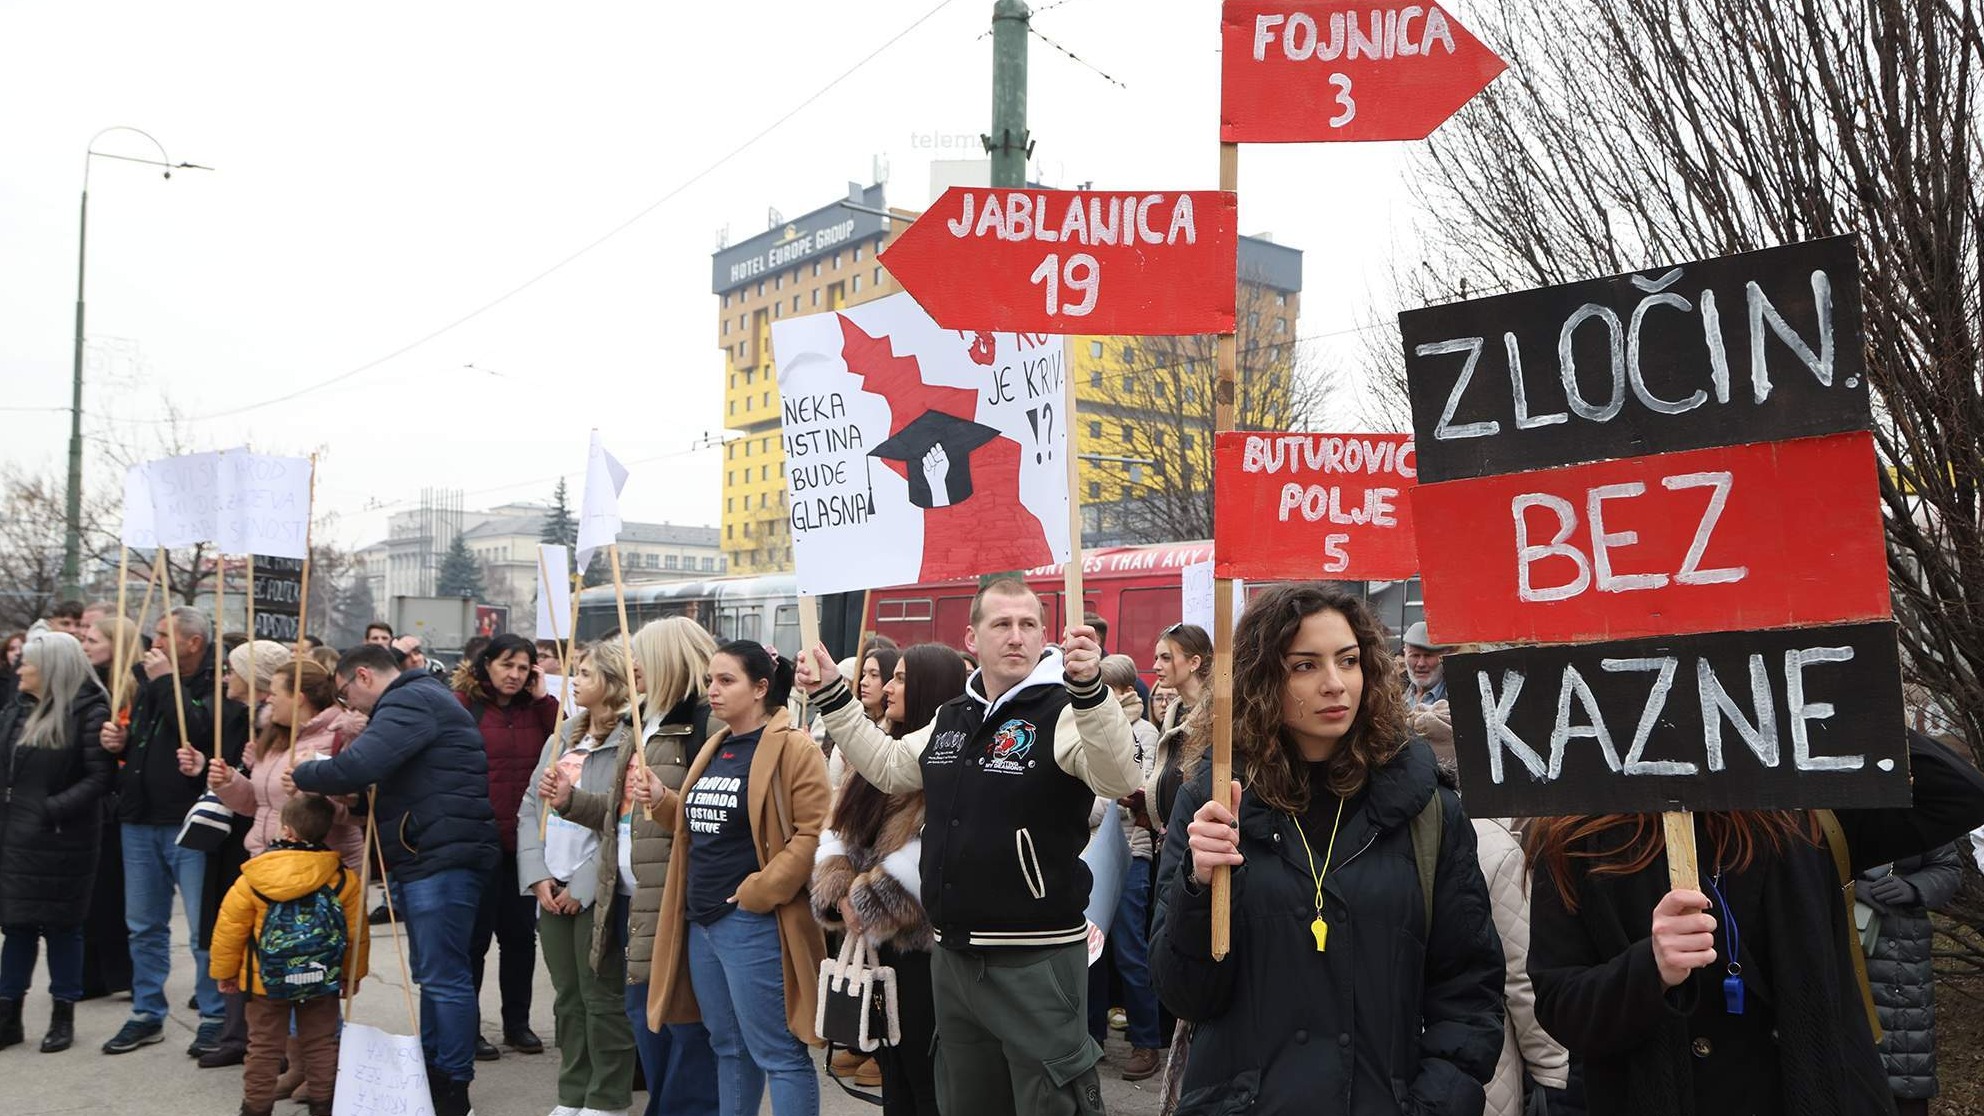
(1008,143)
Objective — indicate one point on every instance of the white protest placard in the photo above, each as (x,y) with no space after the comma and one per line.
(1196,586)
(599,511)
(139,529)
(185,498)
(554,592)
(380,1074)
(915,453)
(264,505)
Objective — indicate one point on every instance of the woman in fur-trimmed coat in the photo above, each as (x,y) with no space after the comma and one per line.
(865,879)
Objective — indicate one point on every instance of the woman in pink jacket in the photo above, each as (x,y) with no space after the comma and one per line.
(304,696)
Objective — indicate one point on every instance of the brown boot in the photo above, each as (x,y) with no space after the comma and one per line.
(1142,1063)
(320,1107)
(868,1074)
(291,1083)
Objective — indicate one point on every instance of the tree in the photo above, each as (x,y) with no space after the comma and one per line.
(1630,134)
(1154,405)
(560,528)
(354,609)
(460,574)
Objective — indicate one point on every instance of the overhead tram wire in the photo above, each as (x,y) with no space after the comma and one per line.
(560,265)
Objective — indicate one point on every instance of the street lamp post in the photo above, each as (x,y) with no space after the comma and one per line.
(72,540)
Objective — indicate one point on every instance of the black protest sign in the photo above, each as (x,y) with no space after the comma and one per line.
(1756,347)
(1800,718)
(278,595)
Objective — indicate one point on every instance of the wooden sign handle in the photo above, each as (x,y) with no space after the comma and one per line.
(1682,872)
(1222,614)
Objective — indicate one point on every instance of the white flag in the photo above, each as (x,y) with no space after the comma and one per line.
(599,513)
(140,528)
(554,592)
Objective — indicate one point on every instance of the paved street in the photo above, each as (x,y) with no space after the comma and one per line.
(161,1081)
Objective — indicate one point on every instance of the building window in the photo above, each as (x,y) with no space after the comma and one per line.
(761,288)
(836,261)
(878,276)
(816,291)
(857,253)
(816,269)
(1095,493)
(1095,430)
(726,327)
(1095,378)
(1280,299)
(726,300)
(795,302)
(775,309)
(1129,383)
(1191,395)
(730,504)
(1188,443)
(1095,349)
(856,285)
(1253,320)
(733,406)
(672,565)
(1126,433)
(748,374)
(1280,325)
(778,281)
(1157,436)
(1129,354)
(1158,387)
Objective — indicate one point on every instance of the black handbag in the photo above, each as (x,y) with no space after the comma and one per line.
(857,1005)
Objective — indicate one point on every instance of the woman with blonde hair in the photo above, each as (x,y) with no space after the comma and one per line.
(574,867)
(671,658)
(101,639)
(106,939)
(53,772)
(1364,967)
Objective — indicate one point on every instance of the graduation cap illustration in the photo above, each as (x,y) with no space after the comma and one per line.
(956,437)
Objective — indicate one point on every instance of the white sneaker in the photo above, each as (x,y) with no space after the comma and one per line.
(567,1110)
(602,1112)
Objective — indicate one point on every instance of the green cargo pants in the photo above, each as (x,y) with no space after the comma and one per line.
(1012,1032)
(595,1039)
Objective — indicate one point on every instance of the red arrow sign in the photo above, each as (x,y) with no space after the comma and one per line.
(1073,261)
(1341,70)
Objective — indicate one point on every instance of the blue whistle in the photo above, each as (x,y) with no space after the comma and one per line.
(1732,994)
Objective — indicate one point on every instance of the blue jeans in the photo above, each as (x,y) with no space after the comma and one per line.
(154,865)
(737,968)
(1132,954)
(65,961)
(677,1060)
(439,912)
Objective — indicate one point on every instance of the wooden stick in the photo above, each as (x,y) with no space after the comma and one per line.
(1071,573)
(178,688)
(627,648)
(364,881)
(1222,618)
(393,923)
(123,680)
(809,637)
(251,646)
(1682,871)
(296,652)
(220,604)
(117,644)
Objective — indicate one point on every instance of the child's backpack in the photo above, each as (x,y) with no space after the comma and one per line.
(301,950)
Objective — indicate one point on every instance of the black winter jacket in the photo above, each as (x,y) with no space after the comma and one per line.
(1651,1052)
(51,817)
(1899,970)
(1385,1021)
(150,789)
(425,753)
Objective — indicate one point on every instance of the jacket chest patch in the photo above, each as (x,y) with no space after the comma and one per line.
(945,747)
(1011,750)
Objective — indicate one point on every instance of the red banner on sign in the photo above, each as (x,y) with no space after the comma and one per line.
(1770,535)
(1073,261)
(1342,70)
(1313,505)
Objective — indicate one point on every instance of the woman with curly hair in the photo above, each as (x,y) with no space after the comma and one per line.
(1342,989)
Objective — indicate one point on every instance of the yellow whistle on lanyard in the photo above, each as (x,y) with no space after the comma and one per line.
(1322,931)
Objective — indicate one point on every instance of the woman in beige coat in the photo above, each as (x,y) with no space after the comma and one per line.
(736,945)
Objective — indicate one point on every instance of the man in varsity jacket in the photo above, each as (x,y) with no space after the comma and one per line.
(1009,770)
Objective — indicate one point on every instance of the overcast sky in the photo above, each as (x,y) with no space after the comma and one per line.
(384,170)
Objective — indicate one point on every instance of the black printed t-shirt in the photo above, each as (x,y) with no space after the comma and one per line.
(721,849)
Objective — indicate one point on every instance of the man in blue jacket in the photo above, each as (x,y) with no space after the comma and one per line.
(436,833)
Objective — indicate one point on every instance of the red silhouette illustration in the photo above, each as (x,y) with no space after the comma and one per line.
(988,528)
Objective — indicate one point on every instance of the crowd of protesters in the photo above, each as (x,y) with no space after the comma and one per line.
(686,838)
